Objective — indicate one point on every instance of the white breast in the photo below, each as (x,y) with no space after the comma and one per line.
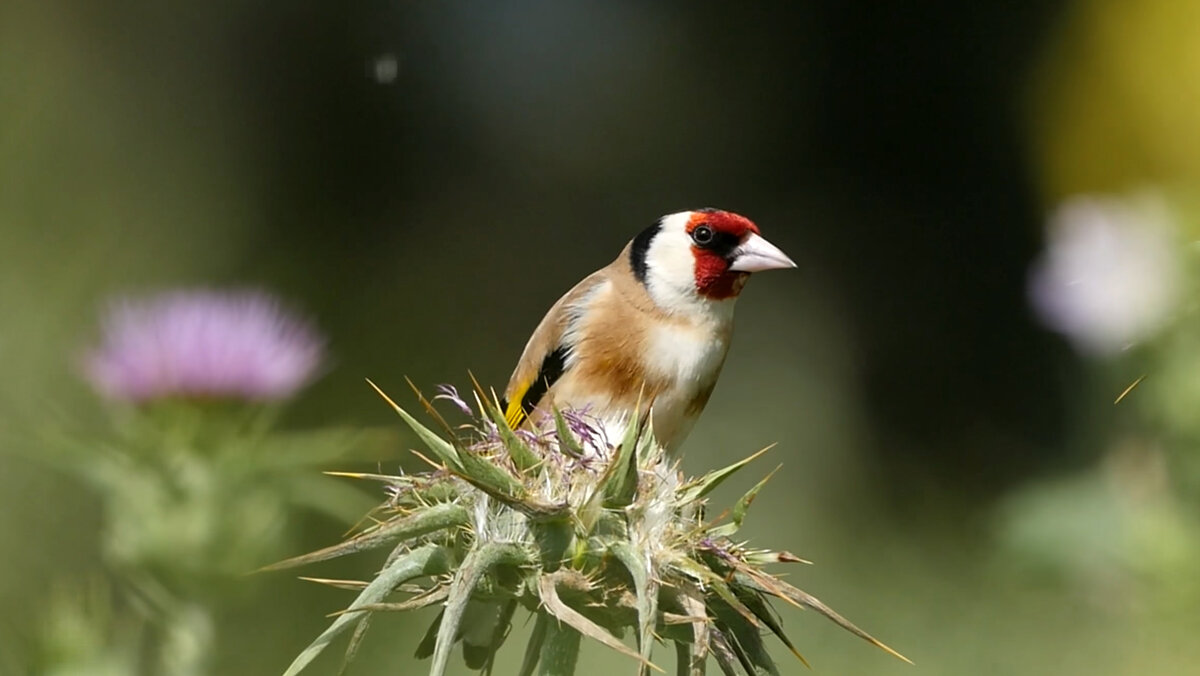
(690,356)
(685,353)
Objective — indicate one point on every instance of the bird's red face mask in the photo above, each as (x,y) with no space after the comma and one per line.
(727,247)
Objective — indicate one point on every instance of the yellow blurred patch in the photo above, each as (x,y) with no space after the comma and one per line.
(1116,98)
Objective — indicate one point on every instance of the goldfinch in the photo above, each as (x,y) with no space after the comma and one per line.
(653,325)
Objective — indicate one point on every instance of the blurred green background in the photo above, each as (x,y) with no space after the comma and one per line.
(425,179)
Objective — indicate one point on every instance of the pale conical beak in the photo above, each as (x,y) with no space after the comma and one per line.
(757,254)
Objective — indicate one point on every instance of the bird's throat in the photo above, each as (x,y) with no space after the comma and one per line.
(719,284)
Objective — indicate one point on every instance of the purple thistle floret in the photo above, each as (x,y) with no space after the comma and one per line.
(588,428)
(205,344)
(450,393)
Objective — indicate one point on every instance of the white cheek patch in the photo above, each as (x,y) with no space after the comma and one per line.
(671,273)
(671,265)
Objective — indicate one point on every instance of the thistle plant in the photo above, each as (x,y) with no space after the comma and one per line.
(195,477)
(596,537)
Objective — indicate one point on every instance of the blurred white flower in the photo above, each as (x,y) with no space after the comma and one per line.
(1110,275)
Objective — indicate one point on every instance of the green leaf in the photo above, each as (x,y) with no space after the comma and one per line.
(620,480)
(427,520)
(743,504)
(704,485)
(537,510)
(488,477)
(422,600)
(433,412)
(421,562)
(646,591)
(548,590)
(746,641)
(480,472)
(694,569)
(778,588)
(477,562)
(516,498)
(762,610)
(444,450)
(566,438)
(716,583)
(429,640)
(523,457)
(725,593)
(617,486)
(431,488)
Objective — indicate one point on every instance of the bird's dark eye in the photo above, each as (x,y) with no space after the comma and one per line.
(702,235)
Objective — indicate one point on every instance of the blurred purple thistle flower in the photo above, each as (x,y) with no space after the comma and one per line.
(199,343)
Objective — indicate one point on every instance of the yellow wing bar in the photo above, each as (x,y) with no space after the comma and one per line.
(515,414)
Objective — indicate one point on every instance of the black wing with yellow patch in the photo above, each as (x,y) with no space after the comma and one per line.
(527,396)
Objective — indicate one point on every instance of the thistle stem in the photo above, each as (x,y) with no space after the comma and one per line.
(560,651)
(683,659)
(533,649)
(479,561)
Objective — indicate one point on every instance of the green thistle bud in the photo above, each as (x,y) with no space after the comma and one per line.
(594,539)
